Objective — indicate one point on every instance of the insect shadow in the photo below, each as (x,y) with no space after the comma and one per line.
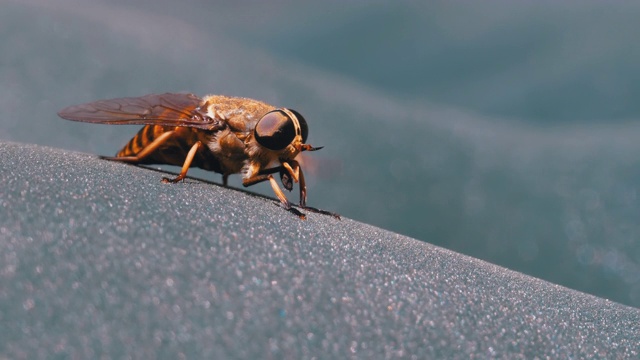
(276,202)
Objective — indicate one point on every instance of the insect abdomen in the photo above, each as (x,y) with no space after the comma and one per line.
(142,139)
(172,150)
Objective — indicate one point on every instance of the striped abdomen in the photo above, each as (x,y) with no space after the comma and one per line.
(174,149)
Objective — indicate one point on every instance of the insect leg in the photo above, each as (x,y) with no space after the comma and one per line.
(272,170)
(186,165)
(146,151)
(264,177)
(303,184)
(276,189)
(291,171)
(292,167)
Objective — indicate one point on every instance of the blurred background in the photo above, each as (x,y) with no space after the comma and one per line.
(507,131)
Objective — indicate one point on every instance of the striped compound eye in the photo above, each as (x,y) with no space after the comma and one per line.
(304,128)
(275,130)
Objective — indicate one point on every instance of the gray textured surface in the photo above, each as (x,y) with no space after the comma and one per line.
(101,258)
(506,131)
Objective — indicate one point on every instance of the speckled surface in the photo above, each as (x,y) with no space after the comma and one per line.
(102,259)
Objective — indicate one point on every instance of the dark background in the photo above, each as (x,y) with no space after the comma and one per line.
(506,131)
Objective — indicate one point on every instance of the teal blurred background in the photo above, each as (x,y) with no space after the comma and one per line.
(506,131)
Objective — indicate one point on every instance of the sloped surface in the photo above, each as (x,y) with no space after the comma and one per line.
(101,258)
(506,131)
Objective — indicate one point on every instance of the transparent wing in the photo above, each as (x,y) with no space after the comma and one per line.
(156,109)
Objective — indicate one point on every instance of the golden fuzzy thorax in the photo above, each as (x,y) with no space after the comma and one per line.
(236,147)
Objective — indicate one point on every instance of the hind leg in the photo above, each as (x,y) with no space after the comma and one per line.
(153,146)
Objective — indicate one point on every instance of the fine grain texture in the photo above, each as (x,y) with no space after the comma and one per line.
(99,258)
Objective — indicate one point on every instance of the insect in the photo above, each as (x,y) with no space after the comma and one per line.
(224,134)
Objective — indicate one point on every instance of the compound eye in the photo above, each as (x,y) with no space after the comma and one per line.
(275,130)
(304,128)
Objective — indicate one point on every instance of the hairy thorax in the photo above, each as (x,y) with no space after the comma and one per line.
(235,145)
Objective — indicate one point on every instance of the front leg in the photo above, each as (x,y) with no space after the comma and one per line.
(292,168)
(295,171)
(276,189)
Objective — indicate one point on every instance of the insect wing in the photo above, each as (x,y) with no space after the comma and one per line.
(156,109)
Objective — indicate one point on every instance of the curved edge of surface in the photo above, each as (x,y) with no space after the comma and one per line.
(101,258)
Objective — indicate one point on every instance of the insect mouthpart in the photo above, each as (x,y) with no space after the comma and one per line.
(307,147)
